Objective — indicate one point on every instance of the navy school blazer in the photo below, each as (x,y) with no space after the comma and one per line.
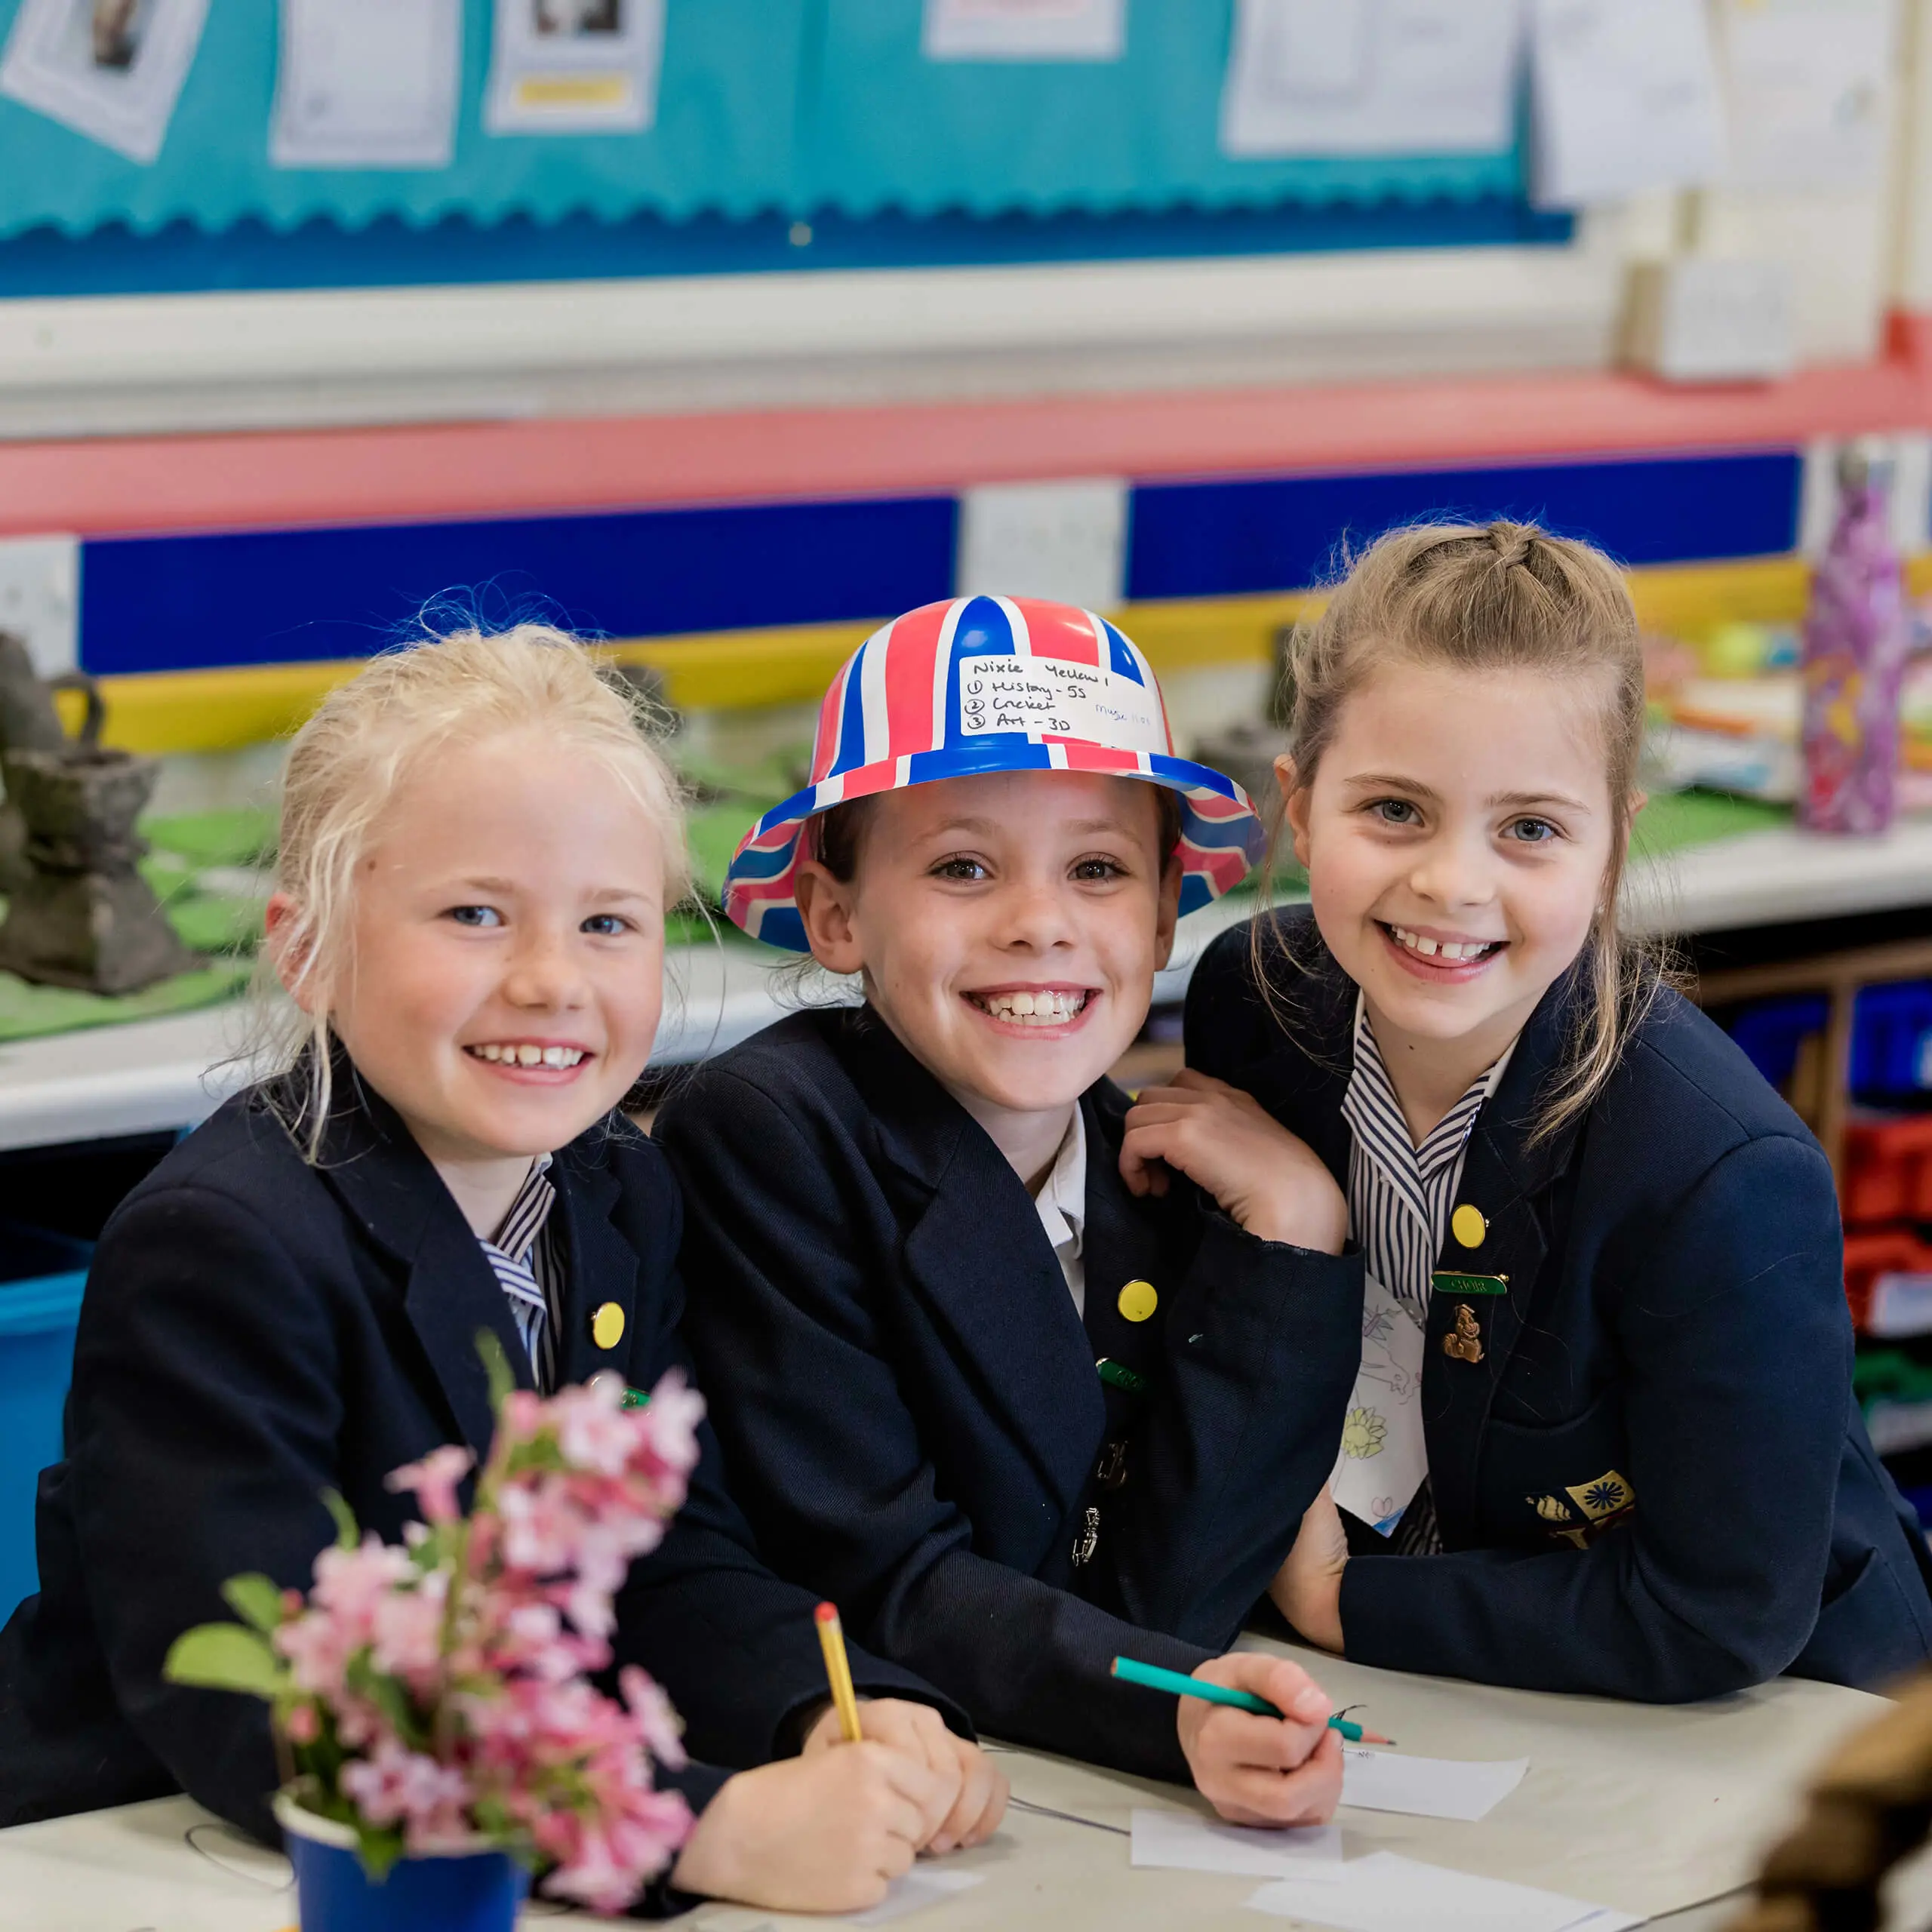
(910,1407)
(1652,1480)
(255,1331)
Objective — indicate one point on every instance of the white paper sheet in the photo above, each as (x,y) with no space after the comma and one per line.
(574,66)
(115,81)
(367,84)
(1807,86)
(1384,1450)
(1625,99)
(1340,77)
(924,1885)
(1186,1841)
(1388,1893)
(1024,29)
(1426,1787)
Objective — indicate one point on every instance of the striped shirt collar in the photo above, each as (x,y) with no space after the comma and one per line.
(524,1260)
(516,1233)
(1374,1114)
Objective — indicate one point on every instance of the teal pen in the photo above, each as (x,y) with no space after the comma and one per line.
(1156,1678)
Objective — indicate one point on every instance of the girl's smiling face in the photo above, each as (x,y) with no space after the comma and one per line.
(1457,835)
(503,976)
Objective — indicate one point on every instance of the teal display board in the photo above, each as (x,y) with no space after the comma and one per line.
(789,106)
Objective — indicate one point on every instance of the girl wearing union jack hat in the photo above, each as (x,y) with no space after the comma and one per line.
(1024,1376)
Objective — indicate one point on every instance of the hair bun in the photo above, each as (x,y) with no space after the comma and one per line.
(1512,543)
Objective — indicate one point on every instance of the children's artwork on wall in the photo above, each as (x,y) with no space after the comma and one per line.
(1352,77)
(1024,29)
(367,84)
(574,66)
(1808,85)
(111,69)
(1625,99)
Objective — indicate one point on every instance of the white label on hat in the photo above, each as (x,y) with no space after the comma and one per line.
(1048,697)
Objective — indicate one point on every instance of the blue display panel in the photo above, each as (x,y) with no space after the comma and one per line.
(1225,538)
(179,603)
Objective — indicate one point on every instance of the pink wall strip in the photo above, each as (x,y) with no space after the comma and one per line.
(96,487)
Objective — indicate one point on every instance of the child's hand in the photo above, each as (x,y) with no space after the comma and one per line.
(1307,1588)
(828,1832)
(979,1802)
(1224,1140)
(1257,1771)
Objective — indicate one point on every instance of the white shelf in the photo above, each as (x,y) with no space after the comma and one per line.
(157,1075)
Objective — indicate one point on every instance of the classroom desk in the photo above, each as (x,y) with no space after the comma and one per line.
(164,1074)
(1649,1809)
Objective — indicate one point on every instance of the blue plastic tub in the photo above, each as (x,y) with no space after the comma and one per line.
(42,1276)
(1891,1039)
(1891,1057)
(1770,1030)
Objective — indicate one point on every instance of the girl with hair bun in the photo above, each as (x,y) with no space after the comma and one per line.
(1602,1438)
(479,843)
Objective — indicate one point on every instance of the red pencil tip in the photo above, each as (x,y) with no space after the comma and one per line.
(826,1612)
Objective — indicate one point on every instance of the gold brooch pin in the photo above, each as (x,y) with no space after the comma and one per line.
(1464,1343)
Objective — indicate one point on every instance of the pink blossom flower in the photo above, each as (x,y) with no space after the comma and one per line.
(670,1421)
(394,1784)
(490,1636)
(350,1583)
(593,1431)
(406,1628)
(434,1480)
(658,1724)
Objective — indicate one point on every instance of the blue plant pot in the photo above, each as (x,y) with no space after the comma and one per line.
(471,1891)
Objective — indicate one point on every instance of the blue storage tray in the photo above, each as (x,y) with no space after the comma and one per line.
(1891,1038)
(42,1276)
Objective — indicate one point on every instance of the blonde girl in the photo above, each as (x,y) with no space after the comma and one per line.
(1602,1438)
(478,847)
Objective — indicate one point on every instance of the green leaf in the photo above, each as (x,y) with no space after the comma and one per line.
(380,1848)
(347,1534)
(224,1656)
(496,1366)
(388,1696)
(255,1599)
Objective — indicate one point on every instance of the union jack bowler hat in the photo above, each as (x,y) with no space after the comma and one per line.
(991,684)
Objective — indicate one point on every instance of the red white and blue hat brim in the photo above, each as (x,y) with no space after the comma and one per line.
(875,700)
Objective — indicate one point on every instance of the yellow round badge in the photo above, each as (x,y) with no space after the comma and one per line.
(1138,1300)
(607,1325)
(1468,1226)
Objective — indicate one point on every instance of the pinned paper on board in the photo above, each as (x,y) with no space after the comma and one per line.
(111,69)
(574,66)
(1807,84)
(367,84)
(1024,29)
(1625,98)
(1381,77)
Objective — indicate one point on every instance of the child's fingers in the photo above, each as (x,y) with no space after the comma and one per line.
(930,1793)
(1141,1167)
(1307,1795)
(1194,1081)
(981,1804)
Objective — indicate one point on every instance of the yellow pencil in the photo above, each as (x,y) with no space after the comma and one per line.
(838,1670)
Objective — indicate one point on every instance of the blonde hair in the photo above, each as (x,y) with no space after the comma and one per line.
(1487,596)
(366,740)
